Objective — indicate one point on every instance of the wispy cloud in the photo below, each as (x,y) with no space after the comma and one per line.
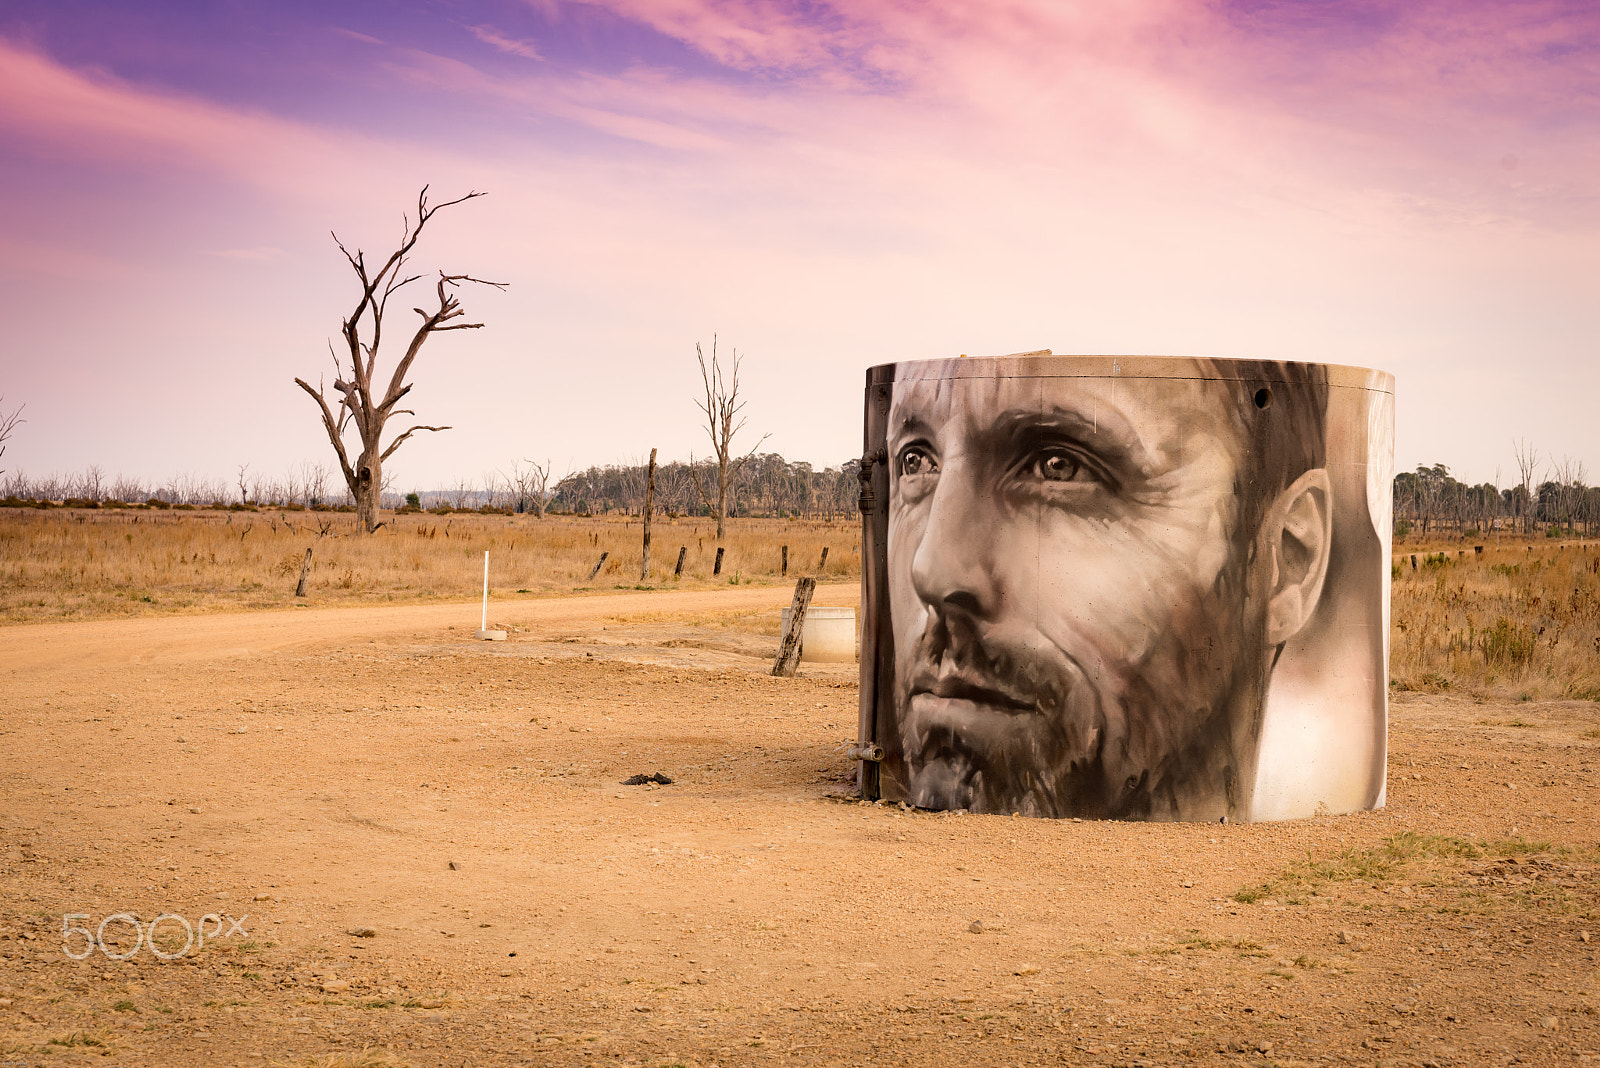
(511,46)
(100,120)
(96,115)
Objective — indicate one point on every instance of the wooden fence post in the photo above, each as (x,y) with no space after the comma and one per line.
(677,572)
(789,651)
(824,561)
(649,505)
(716,568)
(305,573)
(785,570)
(598,564)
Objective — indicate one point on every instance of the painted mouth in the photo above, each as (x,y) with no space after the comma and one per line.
(973,690)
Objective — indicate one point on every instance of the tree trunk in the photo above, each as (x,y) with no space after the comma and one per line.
(722,501)
(366,489)
(649,506)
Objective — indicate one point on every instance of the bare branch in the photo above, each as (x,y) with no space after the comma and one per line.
(331,426)
(8,424)
(735,465)
(430,323)
(386,406)
(397,442)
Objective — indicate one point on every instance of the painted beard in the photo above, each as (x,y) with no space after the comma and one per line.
(993,723)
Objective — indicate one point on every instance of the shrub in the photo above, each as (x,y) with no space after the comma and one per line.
(1507,643)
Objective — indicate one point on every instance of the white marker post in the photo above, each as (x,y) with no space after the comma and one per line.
(484,633)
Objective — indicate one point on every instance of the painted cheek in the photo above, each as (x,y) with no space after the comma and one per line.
(1193,523)
(906,526)
(1109,592)
(1090,598)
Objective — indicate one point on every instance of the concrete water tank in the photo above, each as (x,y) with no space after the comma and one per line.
(1126,587)
(828,634)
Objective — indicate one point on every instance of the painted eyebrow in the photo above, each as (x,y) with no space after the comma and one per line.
(1108,435)
(911,426)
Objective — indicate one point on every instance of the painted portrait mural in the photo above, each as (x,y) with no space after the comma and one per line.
(1127,588)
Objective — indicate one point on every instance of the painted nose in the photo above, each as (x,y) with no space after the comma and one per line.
(952,569)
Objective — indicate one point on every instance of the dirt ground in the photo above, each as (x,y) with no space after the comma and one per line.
(302,775)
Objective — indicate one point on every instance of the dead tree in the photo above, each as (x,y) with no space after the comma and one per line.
(540,490)
(1527,463)
(358,405)
(1569,475)
(721,408)
(531,485)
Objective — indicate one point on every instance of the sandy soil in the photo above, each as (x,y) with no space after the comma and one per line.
(315,773)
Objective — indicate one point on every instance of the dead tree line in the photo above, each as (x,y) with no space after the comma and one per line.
(1430,500)
(767,485)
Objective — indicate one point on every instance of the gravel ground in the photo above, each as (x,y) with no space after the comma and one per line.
(418,851)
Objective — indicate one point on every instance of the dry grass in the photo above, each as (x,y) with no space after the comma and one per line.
(1516,620)
(62,564)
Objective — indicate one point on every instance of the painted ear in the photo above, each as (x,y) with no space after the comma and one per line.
(1299,534)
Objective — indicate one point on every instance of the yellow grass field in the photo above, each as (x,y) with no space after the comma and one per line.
(1516,619)
(65,564)
(1519,619)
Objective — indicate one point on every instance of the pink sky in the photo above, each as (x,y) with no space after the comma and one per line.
(1410,186)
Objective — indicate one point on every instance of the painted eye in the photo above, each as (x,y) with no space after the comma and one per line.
(1057,465)
(916,460)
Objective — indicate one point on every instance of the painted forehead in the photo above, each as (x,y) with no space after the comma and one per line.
(1153,416)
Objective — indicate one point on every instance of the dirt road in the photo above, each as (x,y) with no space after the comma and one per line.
(457,804)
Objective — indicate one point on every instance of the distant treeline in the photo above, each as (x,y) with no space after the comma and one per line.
(1429,501)
(765,485)
(310,485)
